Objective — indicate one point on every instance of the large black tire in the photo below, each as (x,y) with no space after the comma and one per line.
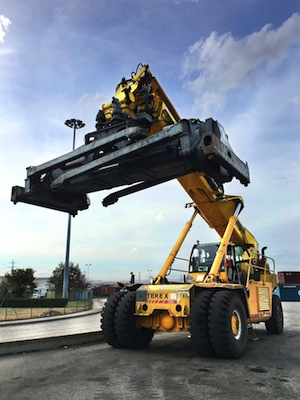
(108,319)
(128,335)
(275,324)
(227,323)
(199,323)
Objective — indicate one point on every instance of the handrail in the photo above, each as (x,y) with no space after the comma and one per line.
(265,269)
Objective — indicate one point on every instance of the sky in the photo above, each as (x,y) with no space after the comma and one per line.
(236,61)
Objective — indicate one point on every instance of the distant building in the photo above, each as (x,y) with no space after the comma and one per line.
(42,287)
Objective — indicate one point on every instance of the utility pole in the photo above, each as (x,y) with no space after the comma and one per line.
(12,265)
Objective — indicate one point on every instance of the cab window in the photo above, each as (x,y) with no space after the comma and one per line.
(202,257)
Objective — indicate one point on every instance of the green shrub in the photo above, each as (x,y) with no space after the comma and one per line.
(34,303)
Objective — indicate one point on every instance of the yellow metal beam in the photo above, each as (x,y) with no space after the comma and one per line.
(221,253)
(171,257)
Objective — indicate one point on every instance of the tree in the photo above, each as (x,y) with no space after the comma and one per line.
(19,283)
(3,290)
(77,279)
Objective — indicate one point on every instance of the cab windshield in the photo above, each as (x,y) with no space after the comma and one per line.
(202,257)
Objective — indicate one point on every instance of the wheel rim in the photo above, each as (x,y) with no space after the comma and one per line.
(236,324)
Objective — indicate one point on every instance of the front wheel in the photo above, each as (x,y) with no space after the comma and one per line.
(228,324)
(199,323)
(128,335)
(275,324)
(108,319)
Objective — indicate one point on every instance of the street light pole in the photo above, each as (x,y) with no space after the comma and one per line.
(149,270)
(75,124)
(88,271)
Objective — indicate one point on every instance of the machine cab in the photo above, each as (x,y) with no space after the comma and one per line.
(202,258)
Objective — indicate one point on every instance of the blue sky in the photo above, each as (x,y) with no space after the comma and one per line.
(234,60)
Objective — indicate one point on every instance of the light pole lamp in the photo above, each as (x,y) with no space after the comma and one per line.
(75,124)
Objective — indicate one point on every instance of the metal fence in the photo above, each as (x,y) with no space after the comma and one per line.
(17,309)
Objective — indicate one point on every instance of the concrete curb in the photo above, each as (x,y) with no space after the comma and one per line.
(50,343)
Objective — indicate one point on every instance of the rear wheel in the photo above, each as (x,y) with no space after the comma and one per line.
(275,324)
(108,319)
(227,323)
(128,335)
(199,324)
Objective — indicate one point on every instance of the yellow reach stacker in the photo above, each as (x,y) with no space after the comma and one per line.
(140,141)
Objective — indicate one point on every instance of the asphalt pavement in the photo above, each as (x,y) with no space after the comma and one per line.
(169,368)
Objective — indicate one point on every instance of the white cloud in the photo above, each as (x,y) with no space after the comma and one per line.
(160,217)
(222,63)
(296,99)
(251,84)
(4,25)
(88,101)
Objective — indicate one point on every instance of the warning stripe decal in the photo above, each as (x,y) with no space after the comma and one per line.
(162,301)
